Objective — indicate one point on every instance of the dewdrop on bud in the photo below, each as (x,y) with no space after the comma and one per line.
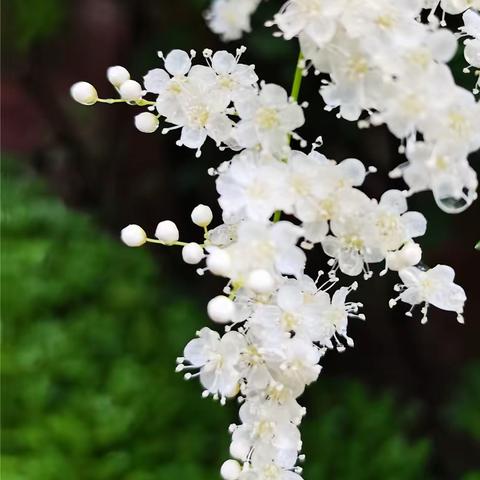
(117,75)
(219,262)
(133,236)
(202,215)
(167,232)
(230,470)
(131,90)
(192,253)
(260,281)
(146,122)
(221,309)
(84,93)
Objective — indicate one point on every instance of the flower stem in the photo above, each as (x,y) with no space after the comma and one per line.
(297,79)
(297,83)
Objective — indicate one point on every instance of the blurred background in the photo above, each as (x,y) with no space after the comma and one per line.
(91,329)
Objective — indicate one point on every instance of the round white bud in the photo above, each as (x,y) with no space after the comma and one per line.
(202,215)
(146,122)
(133,236)
(394,261)
(131,90)
(167,232)
(240,449)
(84,93)
(230,470)
(219,262)
(117,75)
(192,253)
(221,309)
(411,253)
(260,281)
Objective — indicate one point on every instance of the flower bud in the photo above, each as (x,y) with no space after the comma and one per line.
(411,253)
(219,262)
(131,90)
(117,75)
(167,232)
(260,281)
(230,470)
(221,309)
(202,215)
(133,236)
(192,253)
(240,449)
(146,122)
(84,93)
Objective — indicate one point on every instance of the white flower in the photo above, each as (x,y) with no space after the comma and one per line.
(231,18)
(432,287)
(392,225)
(271,247)
(253,187)
(233,78)
(351,244)
(264,425)
(443,169)
(295,310)
(316,19)
(299,366)
(267,119)
(217,358)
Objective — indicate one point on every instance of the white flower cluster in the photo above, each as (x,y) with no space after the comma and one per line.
(371,50)
(274,321)
(278,322)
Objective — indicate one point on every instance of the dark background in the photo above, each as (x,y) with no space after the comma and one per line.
(403,404)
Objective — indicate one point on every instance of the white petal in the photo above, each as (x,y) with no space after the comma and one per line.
(415,224)
(156,80)
(178,62)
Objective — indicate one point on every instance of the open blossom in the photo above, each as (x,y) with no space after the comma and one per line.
(230,18)
(253,187)
(217,358)
(267,120)
(432,287)
(272,247)
(442,169)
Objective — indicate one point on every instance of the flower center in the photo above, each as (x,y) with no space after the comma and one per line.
(267,118)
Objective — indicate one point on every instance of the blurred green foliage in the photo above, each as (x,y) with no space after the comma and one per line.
(31,21)
(464,410)
(89,393)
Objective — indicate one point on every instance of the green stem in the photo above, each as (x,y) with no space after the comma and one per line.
(178,244)
(297,83)
(297,79)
